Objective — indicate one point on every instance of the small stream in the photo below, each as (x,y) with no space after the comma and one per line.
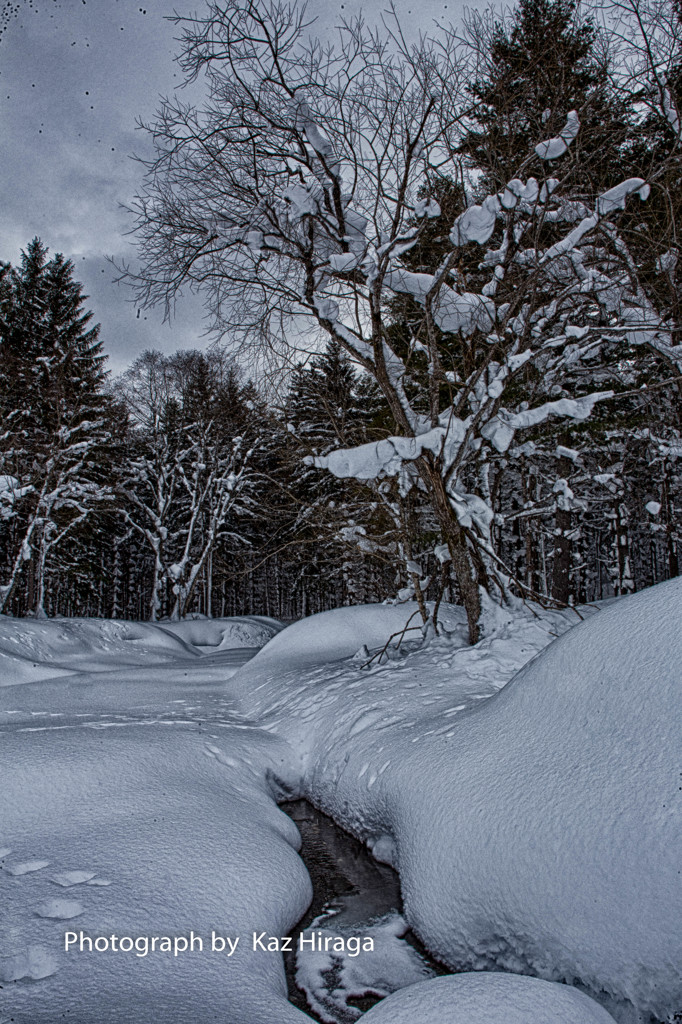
(348,882)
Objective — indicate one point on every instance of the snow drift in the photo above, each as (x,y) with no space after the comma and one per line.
(488,999)
(341,633)
(561,815)
(213,635)
(536,824)
(542,833)
(36,649)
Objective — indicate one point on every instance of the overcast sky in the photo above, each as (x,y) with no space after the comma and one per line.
(74,76)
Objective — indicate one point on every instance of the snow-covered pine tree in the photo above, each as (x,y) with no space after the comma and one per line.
(339,530)
(520,81)
(58,424)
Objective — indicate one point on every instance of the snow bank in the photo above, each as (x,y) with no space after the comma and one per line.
(55,645)
(488,999)
(536,826)
(341,633)
(147,829)
(16,669)
(32,650)
(560,815)
(538,831)
(213,635)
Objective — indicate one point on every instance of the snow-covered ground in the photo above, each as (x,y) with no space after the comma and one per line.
(536,830)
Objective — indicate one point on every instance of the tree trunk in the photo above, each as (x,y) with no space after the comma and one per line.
(37,605)
(669,513)
(624,583)
(561,569)
(468,574)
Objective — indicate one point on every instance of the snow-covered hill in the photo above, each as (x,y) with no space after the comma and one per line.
(535,825)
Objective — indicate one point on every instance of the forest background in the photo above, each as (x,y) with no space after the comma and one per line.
(544,371)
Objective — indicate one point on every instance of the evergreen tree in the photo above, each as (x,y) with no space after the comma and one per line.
(338,525)
(535,70)
(58,424)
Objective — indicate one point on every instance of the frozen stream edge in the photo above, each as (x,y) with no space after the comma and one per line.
(347,880)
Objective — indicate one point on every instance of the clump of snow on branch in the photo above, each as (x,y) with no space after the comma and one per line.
(552,149)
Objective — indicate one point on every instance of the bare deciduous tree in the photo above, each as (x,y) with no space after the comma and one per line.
(291,199)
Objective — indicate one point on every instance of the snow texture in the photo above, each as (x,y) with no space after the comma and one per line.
(452,311)
(557,801)
(391,965)
(476,224)
(488,999)
(332,636)
(130,777)
(614,199)
(31,650)
(535,824)
(501,429)
(376,459)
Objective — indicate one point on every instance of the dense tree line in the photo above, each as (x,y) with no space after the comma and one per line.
(486,231)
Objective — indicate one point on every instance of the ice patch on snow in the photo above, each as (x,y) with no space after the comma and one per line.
(63,910)
(35,962)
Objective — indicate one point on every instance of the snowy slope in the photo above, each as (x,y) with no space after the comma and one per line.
(536,828)
(539,832)
(560,808)
(335,635)
(153,819)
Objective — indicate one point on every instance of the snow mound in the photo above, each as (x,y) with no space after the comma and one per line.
(78,644)
(488,999)
(341,633)
(193,845)
(213,635)
(32,650)
(15,669)
(559,811)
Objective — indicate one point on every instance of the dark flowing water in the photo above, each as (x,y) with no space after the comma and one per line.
(346,878)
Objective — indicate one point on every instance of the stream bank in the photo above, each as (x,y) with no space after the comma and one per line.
(351,890)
